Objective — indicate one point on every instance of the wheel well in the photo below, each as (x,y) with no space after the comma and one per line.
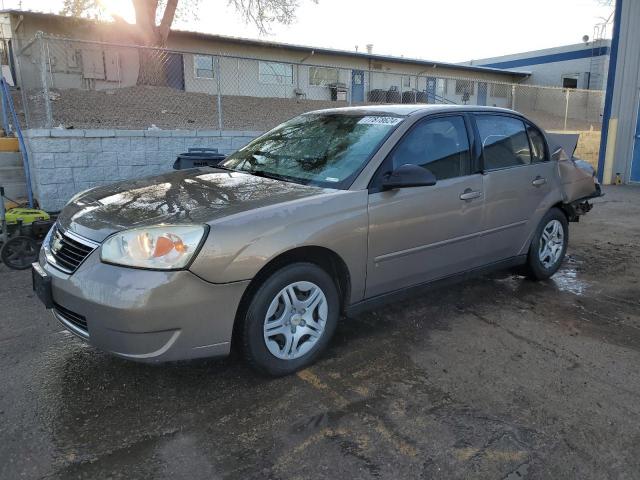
(323,257)
(567,210)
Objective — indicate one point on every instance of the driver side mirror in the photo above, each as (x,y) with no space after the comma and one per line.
(409,175)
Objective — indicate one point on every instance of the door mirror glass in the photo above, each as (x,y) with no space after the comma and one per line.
(409,175)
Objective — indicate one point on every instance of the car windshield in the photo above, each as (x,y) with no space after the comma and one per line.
(326,150)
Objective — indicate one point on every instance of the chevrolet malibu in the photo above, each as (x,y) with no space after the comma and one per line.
(327,214)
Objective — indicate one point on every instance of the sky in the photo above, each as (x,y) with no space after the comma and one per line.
(449,31)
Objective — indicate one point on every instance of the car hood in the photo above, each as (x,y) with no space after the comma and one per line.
(182,197)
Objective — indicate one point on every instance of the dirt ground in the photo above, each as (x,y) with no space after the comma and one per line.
(495,378)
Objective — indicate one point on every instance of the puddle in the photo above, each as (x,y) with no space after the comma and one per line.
(566,280)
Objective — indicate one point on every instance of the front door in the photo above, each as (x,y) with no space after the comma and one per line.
(426,233)
(174,70)
(357,86)
(431,90)
(482,93)
(517,183)
(635,162)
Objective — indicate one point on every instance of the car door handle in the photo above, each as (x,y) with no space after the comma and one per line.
(539,181)
(469,194)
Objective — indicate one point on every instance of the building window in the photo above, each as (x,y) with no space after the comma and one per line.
(406,82)
(569,82)
(203,65)
(500,90)
(276,73)
(465,87)
(322,76)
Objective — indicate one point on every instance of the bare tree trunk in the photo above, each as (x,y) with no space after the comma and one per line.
(152,62)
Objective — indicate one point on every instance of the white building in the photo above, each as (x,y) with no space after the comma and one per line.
(582,65)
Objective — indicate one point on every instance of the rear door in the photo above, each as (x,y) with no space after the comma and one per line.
(425,233)
(518,182)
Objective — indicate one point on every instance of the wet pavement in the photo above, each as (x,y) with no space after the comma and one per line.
(497,378)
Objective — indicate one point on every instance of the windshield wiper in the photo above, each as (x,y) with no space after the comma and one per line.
(263,174)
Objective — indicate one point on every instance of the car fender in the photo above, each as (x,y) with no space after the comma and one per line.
(239,246)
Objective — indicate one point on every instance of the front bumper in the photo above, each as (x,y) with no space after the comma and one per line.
(144,315)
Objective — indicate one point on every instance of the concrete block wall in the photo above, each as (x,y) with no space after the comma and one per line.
(64,162)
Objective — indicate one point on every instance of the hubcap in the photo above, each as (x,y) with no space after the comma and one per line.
(295,320)
(551,243)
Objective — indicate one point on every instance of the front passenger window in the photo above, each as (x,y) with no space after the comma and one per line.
(440,144)
(504,142)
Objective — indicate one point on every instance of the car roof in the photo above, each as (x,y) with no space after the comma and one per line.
(406,110)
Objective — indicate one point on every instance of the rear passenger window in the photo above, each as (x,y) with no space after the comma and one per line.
(538,150)
(504,142)
(440,144)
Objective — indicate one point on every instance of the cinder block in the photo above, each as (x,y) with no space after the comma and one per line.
(54,175)
(102,159)
(251,133)
(36,132)
(208,133)
(116,144)
(66,132)
(71,159)
(157,133)
(67,190)
(160,158)
(127,172)
(131,158)
(239,142)
(92,174)
(42,160)
(172,144)
(84,145)
(139,144)
(183,133)
(99,133)
(49,145)
(129,133)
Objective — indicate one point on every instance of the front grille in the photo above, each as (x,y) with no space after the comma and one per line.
(68,253)
(73,318)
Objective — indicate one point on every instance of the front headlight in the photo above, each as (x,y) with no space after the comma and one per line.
(162,247)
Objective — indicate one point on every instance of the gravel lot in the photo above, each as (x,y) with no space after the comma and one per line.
(141,106)
(496,378)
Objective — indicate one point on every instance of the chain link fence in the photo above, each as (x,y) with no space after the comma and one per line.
(83,84)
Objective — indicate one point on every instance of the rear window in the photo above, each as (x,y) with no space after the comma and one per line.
(504,142)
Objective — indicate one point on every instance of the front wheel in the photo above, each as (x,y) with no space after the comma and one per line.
(19,252)
(548,246)
(290,320)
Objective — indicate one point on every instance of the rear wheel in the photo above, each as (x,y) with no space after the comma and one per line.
(548,246)
(290,320)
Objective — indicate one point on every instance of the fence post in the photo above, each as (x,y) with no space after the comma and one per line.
(513,97)
(219,99)
(566,108)
(43,79)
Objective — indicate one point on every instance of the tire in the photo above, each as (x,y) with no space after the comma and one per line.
(543,262)
(19,252)
(281,334)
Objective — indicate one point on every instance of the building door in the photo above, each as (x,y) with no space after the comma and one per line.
(635,162)
(431,90)
(174,71)
(482,93)
(357,86)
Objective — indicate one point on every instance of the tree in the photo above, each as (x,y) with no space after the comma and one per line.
(155,17)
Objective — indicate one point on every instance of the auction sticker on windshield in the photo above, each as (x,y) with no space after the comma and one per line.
(378,120)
